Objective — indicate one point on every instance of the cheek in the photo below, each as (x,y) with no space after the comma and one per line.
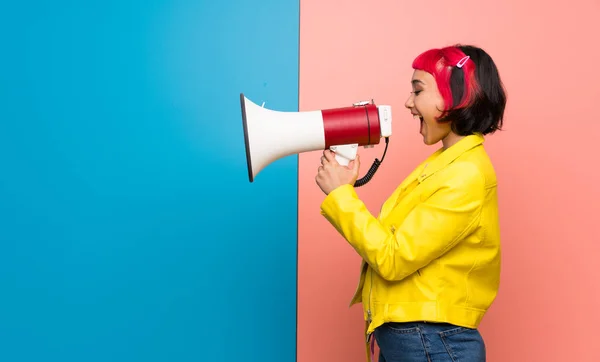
(437,130)
(439,104)
(429,106)
(437,107)
(431,126)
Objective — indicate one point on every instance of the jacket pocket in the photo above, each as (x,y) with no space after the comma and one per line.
(464,344)
(401,328)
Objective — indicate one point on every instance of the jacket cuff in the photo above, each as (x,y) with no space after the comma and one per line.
(334,201)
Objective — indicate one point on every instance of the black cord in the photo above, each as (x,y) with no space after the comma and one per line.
(363,181)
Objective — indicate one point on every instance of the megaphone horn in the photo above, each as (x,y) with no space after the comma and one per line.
(270,135)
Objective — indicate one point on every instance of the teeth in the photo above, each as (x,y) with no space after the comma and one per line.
(416,116)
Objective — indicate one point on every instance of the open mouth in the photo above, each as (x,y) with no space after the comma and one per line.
(420,118)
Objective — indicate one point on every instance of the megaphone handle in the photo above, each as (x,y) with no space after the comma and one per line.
(345,153)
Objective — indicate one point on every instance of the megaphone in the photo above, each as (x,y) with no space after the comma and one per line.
(271,135)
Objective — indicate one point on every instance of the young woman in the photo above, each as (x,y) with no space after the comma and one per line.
(431,259)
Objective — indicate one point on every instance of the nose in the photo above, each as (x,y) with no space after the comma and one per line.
(410,101)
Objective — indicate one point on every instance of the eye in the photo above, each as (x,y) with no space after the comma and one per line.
(416,92)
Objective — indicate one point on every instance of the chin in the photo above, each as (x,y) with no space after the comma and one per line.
(429,142)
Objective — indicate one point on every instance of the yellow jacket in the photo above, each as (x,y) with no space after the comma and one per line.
(433,254)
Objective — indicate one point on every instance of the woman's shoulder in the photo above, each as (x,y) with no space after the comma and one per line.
(472,169)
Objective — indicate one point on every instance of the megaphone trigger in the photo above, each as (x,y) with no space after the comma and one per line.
(345,153)
(270,135)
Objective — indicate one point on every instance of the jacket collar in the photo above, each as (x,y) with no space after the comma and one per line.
(442,158)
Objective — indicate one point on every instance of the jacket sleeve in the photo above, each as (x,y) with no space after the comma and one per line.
(433,227)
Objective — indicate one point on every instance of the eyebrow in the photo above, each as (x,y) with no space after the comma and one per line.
(416,81)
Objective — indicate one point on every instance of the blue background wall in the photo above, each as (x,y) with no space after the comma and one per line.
(128,228)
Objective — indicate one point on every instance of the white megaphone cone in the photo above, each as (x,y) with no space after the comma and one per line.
(271,135)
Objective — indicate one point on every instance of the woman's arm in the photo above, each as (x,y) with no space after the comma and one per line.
(428,231)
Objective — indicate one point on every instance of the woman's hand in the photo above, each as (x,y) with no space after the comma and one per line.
(332,175)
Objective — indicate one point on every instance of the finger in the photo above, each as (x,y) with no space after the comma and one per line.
(330,156)
(356,163)
(323,160)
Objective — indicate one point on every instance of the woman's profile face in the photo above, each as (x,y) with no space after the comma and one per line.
(425,103)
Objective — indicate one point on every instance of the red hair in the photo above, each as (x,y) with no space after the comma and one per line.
(440,63)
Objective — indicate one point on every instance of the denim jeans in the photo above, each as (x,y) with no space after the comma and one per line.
(428,342)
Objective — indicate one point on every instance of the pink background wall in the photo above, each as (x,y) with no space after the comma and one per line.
(547,309)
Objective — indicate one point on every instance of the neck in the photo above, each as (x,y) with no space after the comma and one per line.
(450,140)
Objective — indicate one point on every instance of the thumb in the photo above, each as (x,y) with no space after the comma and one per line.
(356,164)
